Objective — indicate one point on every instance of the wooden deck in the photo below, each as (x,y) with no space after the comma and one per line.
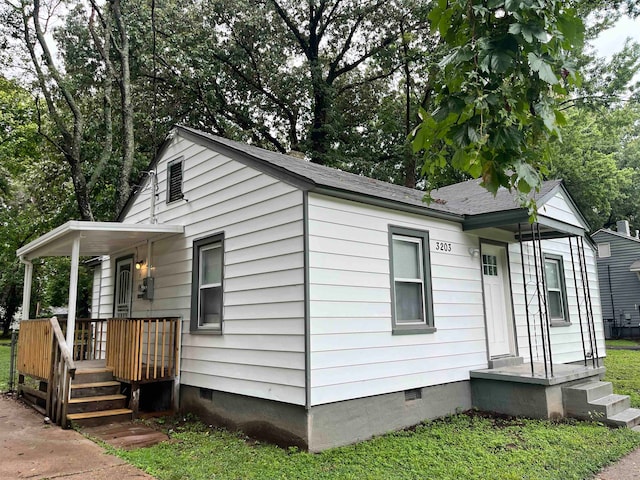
(127,435)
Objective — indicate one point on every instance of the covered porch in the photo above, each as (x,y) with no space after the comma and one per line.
(90,370)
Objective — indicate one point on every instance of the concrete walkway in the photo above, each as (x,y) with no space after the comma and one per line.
(30,449)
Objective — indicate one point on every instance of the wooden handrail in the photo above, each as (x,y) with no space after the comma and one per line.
(63,370)
(62,345)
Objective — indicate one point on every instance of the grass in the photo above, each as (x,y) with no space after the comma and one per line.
(5,353)
(622,343)
(623,370)
(462,446)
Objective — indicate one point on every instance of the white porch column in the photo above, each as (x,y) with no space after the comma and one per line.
(26,293)
(73,291)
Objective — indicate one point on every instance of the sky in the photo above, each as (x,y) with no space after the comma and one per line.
(612,40)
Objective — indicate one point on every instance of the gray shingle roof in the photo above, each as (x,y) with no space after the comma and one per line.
(466,198)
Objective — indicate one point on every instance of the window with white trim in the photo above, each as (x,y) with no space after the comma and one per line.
(174,181)
(556,289)
(207,284)
(412,309)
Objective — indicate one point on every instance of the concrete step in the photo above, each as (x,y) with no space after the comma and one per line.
(98,403)
(505,362)
(94,389)
(90,375)
(636,428)
(627,418)
(92,419)
(587,391)
(611,404)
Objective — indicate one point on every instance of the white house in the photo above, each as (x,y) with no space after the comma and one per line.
(320,307)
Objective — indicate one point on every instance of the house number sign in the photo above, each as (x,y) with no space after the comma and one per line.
(444,247)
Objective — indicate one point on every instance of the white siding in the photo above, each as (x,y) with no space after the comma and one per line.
(566,341)
(559,208)
(353,352)
(261,351)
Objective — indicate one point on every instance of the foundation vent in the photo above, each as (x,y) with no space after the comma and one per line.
(206,394)
(412,394)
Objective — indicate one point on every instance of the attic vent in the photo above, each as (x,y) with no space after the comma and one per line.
(174,181)
(412,394)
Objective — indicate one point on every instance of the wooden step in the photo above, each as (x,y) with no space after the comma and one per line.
(97,403)
(92,419)
(93,389)
(90,375)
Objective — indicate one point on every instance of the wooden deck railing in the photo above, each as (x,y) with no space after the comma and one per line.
(143,349)
(34,348)
(43,355)
(89,339)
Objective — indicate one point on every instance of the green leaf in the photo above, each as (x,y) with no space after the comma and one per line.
(542,68)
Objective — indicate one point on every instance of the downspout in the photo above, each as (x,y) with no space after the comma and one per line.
(26,293)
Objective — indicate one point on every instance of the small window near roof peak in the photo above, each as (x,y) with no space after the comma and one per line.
(174,181)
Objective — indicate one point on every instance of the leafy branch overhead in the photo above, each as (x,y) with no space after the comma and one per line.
(501,86)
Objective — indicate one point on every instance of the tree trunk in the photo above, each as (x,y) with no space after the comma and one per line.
(128,146)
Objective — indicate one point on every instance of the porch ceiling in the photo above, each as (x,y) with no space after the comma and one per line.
(96,238)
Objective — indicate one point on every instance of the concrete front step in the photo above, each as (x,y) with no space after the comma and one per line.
(92,419)
(628,418)
(98,403)
(94,389)
(507,361)
(587,391)
(611,404)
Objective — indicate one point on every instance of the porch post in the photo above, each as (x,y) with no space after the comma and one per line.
(73,292)
(26,292)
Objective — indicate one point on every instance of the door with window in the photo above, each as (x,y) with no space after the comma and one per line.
(123,288)
(497,300)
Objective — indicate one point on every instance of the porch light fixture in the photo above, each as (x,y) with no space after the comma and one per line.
(139,264)
(474,252)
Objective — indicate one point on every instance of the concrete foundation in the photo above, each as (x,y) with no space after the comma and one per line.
(515,390)
(351,421)
(325,426)
(277,422)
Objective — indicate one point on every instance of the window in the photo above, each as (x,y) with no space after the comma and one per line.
(412,309)
(490,265)
(604,250)
(206,285)
(556,292)
(174,181)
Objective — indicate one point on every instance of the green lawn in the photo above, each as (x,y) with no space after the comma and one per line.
(5,352)
(623,370)
(622,343)
(459,447)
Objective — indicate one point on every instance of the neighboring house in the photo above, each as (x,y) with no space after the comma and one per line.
(619,276)
(323,307)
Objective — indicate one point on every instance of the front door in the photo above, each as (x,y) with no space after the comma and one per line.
(497,300)
(124,280)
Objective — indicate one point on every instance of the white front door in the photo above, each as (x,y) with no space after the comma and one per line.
(124,280)
(497,300)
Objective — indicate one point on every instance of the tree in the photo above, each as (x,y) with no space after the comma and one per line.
(500,88)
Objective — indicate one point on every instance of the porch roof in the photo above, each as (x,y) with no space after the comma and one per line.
(96,238)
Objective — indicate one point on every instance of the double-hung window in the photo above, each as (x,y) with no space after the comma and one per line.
(412,308)
(207,280)
(556,290)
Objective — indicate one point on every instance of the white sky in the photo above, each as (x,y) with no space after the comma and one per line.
(612,40)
